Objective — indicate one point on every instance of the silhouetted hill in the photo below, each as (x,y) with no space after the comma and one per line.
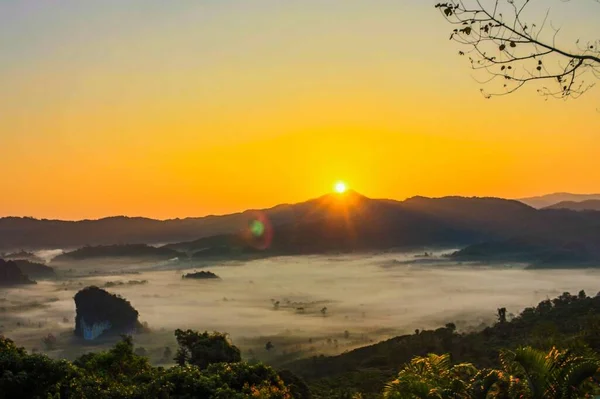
(539,253)
(40,234)
(544,201)
(21,255)
(357,223)
(140,251)
(30,233)
(10,274)
(35,270)
(348,222)
(588,205)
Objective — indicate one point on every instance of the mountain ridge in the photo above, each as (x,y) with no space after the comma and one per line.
(332,222)
(18,233)
(544,201)
(586,205)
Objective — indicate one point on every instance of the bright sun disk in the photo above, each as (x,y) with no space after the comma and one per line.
(340,187)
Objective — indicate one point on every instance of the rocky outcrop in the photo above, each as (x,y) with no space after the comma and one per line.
(100,313)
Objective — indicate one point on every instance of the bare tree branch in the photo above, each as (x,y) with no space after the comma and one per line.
(514,52)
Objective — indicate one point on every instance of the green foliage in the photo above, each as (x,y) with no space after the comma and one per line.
(203,349)
(120,374)
(527,374)
(219,381)
(432,376)
(493,363)
(553,375)
(566,322)
(296,385)
(33,376)
(116,364)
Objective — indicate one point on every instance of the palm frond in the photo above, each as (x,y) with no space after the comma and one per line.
(576,375)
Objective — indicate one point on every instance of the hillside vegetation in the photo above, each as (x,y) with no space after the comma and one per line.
(548,351)
(567,322)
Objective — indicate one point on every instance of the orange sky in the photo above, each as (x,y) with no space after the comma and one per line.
(192,109)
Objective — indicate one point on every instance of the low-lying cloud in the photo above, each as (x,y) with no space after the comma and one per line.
(303,303)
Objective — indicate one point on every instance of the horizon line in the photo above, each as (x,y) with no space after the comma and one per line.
(282,204)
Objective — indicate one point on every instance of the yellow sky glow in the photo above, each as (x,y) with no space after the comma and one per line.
(220,108)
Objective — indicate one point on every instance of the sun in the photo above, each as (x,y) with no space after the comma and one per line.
(340,187)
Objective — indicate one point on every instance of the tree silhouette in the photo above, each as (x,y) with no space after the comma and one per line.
(501,43)
(49,341)
(501,315)
(203,349)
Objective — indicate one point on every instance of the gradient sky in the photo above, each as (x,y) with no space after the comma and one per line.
(187,108)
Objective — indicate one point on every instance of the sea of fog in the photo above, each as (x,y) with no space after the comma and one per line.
(304,305)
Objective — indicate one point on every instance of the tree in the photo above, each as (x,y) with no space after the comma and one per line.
(120,373)
(167,354)
(49,341)
(295,384)
(219,381)
(501,315)
(32,376)
(120,363)
(202,349)
(501,43)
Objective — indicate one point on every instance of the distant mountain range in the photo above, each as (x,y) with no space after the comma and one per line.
(545,201)
(491,229)
(18,233)
(331,223)
(352,222)
(588,205)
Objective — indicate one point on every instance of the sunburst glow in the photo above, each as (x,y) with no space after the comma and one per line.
(340,187)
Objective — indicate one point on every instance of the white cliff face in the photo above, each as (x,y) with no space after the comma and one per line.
(91,332)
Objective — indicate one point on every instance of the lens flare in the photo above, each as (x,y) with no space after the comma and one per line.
(259,233)
(257,228)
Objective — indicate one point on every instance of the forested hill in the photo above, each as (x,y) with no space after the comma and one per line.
(569,321)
